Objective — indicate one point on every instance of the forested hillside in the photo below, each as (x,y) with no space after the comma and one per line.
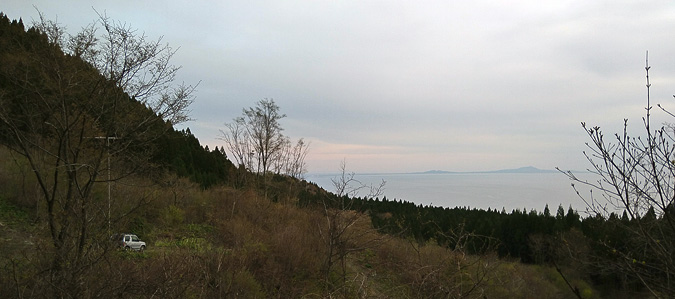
(182,154)
(85,155)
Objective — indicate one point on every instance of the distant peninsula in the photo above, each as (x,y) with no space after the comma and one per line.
(527,169)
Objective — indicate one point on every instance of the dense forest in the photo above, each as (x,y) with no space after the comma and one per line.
(217,230)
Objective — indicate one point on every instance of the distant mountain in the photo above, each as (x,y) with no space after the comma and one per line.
(527,169)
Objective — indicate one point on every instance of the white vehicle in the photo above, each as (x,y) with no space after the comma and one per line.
(130,242)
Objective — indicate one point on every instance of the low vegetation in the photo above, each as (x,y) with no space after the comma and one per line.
(232,242)
(226,241)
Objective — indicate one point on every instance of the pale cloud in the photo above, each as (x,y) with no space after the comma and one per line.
(395,86)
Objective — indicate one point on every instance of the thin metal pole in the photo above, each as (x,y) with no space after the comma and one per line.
(108,146)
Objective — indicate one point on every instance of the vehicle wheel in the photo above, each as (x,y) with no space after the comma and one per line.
(127,248)
(142,248)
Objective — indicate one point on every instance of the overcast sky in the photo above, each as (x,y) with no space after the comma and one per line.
(394,86)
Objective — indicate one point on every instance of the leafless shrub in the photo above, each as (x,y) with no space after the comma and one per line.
(636,175)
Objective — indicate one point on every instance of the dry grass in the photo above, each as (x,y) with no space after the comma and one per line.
(226,242)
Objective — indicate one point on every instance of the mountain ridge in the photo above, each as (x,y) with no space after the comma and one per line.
(526,169)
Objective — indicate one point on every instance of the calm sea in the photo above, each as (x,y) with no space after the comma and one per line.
(474,190)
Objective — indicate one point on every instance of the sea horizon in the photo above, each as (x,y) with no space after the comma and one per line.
(498,189)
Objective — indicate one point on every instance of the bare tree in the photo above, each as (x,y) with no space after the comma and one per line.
(69,103)
(346,231)
(265,131)
(636,175)
(291,159)
(237,142)
(296,166)
(255,140)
